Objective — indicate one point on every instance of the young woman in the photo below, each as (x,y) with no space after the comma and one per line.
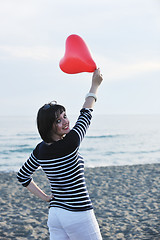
(71,213)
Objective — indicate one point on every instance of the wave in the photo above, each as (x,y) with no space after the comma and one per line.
(26,134)
(107,136)
(132,152)
(17,150)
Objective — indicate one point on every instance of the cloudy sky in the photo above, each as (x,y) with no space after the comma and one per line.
(124,39)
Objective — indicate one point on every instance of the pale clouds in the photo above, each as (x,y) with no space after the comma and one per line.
(114,70)
(123,70)
(123,37)
(37,53)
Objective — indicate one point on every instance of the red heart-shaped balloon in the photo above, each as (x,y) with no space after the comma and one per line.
(77,57)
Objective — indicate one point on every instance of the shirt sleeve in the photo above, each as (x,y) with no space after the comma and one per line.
(25,172)
(83,122)
(71,142)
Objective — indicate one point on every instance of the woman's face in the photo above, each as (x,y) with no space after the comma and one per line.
(60,127)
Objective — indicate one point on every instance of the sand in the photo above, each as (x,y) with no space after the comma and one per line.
(126,202)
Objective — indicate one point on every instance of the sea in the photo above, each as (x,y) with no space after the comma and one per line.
(111,140)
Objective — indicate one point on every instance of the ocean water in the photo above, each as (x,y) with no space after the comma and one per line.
(110,140)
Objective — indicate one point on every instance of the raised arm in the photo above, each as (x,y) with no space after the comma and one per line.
(91,96)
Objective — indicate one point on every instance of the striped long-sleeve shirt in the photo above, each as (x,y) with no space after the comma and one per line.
(64,167)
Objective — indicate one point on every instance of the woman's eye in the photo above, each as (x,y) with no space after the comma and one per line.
(58,121)
(65,116)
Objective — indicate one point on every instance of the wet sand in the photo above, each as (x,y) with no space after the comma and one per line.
(126,201)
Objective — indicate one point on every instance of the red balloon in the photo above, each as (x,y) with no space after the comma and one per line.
(77,57)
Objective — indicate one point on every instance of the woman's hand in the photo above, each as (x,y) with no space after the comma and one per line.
(33,188)
(49,198)
(97,77)
(91,96)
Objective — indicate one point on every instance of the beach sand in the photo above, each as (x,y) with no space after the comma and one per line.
(126,202)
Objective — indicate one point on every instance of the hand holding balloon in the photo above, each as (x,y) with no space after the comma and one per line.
(97,77)
(91,97)
(77,57)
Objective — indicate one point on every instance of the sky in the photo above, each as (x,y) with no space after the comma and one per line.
(124,41)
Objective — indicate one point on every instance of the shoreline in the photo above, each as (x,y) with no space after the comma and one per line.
(89,167)
(125,199)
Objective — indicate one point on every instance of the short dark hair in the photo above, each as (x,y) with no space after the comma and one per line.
(46,116)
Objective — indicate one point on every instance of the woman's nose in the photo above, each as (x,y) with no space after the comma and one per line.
(65,120)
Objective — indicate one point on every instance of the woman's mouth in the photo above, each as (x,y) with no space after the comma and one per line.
(66,127)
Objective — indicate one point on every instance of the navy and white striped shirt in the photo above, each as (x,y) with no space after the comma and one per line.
(64,167)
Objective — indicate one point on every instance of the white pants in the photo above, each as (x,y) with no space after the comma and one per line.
(68,225)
